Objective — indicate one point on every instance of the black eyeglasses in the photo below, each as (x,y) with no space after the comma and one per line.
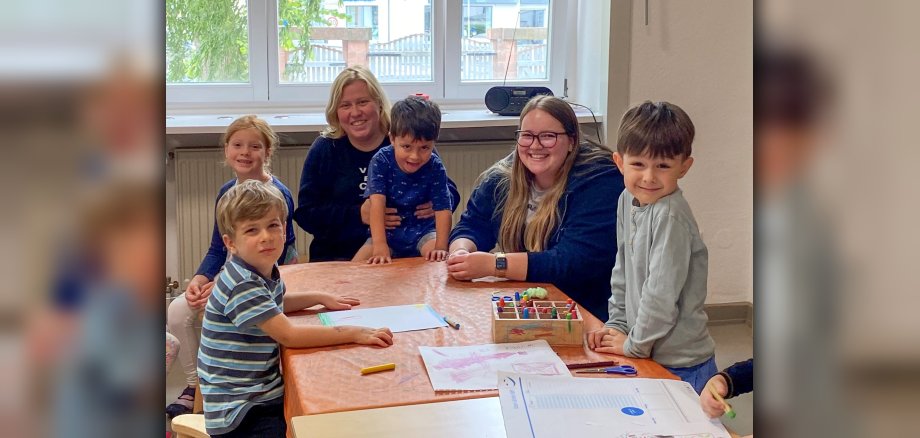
(547,139)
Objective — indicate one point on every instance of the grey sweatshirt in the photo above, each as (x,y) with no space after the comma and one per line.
(658,284)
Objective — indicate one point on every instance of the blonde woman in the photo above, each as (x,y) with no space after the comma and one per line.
(330,203)
(548,208)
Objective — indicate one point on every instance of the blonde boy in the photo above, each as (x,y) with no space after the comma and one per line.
(244,320)
(658,283)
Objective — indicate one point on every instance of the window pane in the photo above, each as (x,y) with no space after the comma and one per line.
(318,39)
(499,36)
(207,41)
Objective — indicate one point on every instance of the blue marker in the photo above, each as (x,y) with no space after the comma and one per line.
(455,325)
(517,296)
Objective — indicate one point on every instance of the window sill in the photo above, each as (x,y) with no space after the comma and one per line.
(299,129)
(315,122)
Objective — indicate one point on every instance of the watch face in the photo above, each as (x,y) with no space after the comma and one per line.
(501,263)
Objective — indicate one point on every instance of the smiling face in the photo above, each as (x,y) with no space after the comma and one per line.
(246,153)
(542,161)
(359,114)
(650,179)
(258,242)
(411,153)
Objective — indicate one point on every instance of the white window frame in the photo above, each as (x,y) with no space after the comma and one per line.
(253,92)
(265,90)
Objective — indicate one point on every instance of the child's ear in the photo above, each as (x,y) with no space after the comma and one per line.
(228,242)
(685,166)
(618,159)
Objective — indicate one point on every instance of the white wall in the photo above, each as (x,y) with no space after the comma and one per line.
(698,55)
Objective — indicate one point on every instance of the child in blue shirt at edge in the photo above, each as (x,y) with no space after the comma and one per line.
(244,322)
(658,283)
(404,175)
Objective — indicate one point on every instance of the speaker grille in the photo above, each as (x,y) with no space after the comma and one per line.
(497,99)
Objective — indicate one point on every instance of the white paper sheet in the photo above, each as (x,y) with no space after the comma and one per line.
(396,318)
(475,367)
(540,406)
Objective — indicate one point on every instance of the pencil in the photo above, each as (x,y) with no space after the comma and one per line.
(578,366)
(725,406)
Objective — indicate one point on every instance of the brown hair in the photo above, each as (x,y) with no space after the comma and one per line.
(660,129)
(344,79)
(253,122)
(515,181)
(248,200)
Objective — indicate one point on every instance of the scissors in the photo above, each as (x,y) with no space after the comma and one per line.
(626,370)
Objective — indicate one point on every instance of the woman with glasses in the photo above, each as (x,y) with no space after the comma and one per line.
(549,209)
(330,203)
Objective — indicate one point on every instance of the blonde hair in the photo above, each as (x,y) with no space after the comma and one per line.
(515,182)
(252,121)
(248,200)
(344,79)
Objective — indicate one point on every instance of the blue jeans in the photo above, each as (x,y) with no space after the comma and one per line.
(262,420)
(697,375)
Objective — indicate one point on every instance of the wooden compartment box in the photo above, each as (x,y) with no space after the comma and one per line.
(510,325)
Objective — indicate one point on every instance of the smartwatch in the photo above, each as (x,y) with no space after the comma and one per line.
(501,264)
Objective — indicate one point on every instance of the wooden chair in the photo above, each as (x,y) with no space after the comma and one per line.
(189,426)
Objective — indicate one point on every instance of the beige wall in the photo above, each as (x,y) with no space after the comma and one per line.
(698,54)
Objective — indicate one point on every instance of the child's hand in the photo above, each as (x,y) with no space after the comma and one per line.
(424,211)
(381,255)
(607,340)
(381,337)
(333,302)
(710,405)
(436,255)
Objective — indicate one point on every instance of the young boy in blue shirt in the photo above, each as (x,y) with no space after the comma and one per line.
(244,322)
(404,175)
(658,283)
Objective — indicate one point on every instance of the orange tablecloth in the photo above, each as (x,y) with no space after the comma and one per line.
(328,379)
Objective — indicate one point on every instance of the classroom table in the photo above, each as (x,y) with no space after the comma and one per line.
(479,418)
(328,379)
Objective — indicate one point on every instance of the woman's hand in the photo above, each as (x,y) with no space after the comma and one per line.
(391,220)
(198,291)
(424,211)
(466,266)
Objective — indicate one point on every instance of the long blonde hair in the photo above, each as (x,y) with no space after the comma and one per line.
(515,182)
(344,79)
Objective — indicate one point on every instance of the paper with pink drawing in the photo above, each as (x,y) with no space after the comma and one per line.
(476,367)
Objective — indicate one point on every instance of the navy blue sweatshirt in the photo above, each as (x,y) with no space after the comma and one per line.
(583,247)
(332,187)
(740,378)
(216,256)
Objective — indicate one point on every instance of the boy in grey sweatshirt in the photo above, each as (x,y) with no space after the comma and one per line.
(658,283)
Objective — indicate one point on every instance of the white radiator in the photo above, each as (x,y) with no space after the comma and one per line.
(201,172)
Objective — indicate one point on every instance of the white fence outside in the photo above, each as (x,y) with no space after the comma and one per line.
(409,59)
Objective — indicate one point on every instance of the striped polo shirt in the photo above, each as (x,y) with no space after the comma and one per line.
(238,363)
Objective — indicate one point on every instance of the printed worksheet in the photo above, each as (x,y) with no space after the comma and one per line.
(397,318)
(476,367)
(539,406)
